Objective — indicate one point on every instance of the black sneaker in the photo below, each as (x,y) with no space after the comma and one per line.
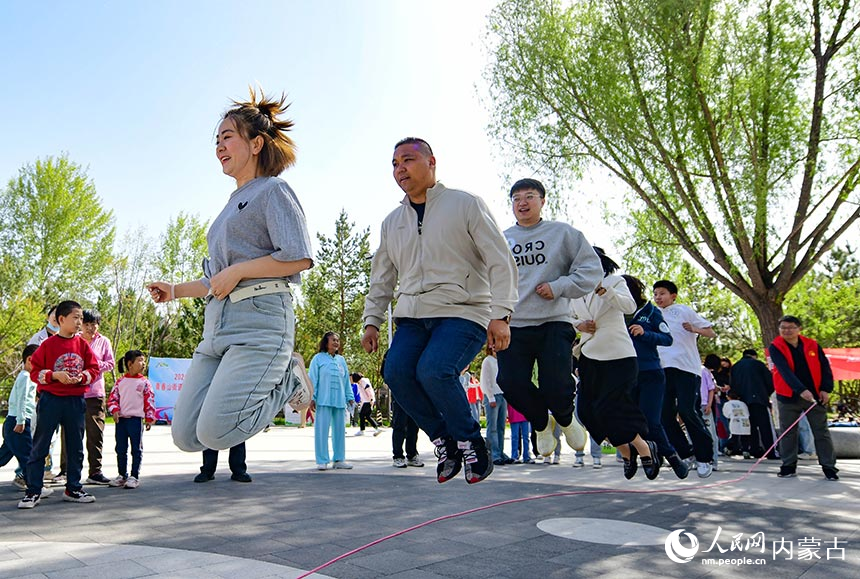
(241,477)
(679,466)
(450,459)
(830,473)
(29,501)
(630,464)
(787,471)
(651,464)
(203,477)
(78,496)
(477,460)
(98,479)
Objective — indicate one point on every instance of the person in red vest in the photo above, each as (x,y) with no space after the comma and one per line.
(801,376)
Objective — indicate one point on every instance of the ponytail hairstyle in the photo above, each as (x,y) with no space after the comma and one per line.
(637,289)
(258,117)
(609,266)
(129,357)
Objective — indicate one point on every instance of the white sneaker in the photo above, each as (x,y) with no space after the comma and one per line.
(46,492)
(556,459)
(575,435)
(29,501)
(360,433)
(132,483)
(415,461)
(704,469)
(342,465)
(323,466)
(578,462)
(118,482)
(399,463)
(377,432)
(597,463)
(547,460)
(546,442)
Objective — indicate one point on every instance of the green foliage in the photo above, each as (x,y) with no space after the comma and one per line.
(734,123)
(56,237)
(332,298)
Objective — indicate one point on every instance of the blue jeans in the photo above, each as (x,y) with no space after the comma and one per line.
(549,345)
(520,435)
(16,445)
(595,450)
(804,434)
(330,419)
(236,383)
(129,429)
(423,369)
(496,418)
(649,392)
(53,410)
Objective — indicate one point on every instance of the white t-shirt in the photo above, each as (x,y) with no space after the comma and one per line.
(738,415)
(683,354)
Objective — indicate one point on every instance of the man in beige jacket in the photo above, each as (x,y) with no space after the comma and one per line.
(457,289)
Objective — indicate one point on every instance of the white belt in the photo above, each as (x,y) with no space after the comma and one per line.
(259,289)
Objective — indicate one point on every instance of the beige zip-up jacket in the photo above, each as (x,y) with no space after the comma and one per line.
(458,265)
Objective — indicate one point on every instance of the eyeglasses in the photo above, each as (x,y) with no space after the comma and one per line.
(788,328)
(527,197)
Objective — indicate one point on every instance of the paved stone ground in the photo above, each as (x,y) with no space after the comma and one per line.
(293,518)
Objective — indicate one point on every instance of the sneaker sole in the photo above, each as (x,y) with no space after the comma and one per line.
(487,473)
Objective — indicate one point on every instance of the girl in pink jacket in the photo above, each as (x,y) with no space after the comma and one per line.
(132,403)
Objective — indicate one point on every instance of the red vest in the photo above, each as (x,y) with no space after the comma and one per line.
(810,352)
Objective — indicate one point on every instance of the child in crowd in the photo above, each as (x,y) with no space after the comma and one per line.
(131,403)
(738,414)
(520,435)
(62,367)
(17,440)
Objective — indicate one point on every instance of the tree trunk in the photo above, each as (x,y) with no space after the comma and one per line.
(768,313)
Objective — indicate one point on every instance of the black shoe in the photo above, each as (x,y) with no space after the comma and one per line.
(678,465)
(651,464)
(450,459)
(241,477)
(477,460)
(787,471)
(630,464)
(203,477)
(509,461)
(98,479)
(830,473)
(499,462)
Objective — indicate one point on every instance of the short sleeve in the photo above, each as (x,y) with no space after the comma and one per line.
(288,229)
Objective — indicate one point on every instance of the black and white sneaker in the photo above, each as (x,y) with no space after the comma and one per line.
(29,501)
(787,471)
(830,473)
(651,464)
(477,460)
(450,459)
(98,479)
(79,496)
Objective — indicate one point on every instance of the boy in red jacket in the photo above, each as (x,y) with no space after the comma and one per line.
(63,366)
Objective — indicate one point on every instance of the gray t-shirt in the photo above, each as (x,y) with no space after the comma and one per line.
(263,217)
(555,253)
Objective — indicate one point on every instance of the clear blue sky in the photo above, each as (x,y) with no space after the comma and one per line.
(133,92)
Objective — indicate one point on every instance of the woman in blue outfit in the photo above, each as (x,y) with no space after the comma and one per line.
(649,330)
(257,246)
(332,391)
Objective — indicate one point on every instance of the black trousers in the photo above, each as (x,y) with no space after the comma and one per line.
(236,460)
(403,428)
(365,416)
(761,432)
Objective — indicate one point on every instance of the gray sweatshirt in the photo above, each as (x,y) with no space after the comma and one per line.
(555,253)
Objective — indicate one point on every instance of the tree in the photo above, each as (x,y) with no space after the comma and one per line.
(735,123)
(54,229)
(333,297)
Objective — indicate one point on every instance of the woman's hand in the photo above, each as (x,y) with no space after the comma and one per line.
(587,326)
(161,291)
(223,282)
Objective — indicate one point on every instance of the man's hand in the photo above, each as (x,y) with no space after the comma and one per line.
(493,404)
(498,335)
(824,397)
(544,291)
(807,395)
(19,428)
(370,339)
